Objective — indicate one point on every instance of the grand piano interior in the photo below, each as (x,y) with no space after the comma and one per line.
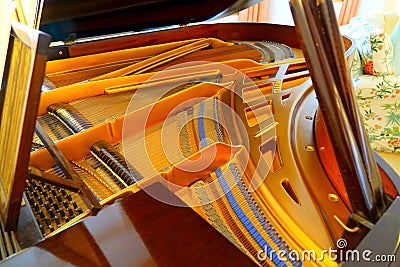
(203,144)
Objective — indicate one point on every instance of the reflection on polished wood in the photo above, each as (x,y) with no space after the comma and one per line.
(137,231)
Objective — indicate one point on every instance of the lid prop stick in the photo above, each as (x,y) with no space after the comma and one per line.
(323,48)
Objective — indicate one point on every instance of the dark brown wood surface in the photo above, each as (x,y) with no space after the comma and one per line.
(136,231)
(92,18)
(223,31)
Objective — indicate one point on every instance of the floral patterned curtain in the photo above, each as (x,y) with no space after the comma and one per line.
(256,13)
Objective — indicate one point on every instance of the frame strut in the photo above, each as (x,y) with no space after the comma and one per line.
(91,202)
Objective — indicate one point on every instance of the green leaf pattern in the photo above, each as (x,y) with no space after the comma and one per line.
(378,95)
(376,42)
(356,67)
(382,54)
(380,111)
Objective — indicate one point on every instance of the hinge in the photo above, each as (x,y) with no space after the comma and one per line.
(71,39)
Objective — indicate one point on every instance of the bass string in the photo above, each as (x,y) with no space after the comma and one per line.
(93,180)
(70,116)
(103,173)
(56,129)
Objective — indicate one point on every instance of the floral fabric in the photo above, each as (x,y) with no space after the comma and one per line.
(360,30)
(395,37)
(356,67)
(379,102)
(376,84)
(382,62)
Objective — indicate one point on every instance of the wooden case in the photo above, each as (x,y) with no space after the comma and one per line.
(111,128)
(267,187)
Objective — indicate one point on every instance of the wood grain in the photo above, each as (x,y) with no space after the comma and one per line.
(224,31)
(137,231)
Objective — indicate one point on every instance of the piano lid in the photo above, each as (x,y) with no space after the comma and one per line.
(85,18)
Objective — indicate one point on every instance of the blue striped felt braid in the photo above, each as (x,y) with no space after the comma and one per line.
(200,121)
(251,229)
(217,120)
(261,216)
(267,226)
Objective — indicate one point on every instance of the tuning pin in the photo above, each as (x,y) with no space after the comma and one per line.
(46,221)
(54,192)
(35,206)
(71,212)
(63,192)
(57,221)
(50,199)
(44,193)
(41,214)
(29,186)
(62,212)
(51,212)
(55,206)
(40,201)
(46,205)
